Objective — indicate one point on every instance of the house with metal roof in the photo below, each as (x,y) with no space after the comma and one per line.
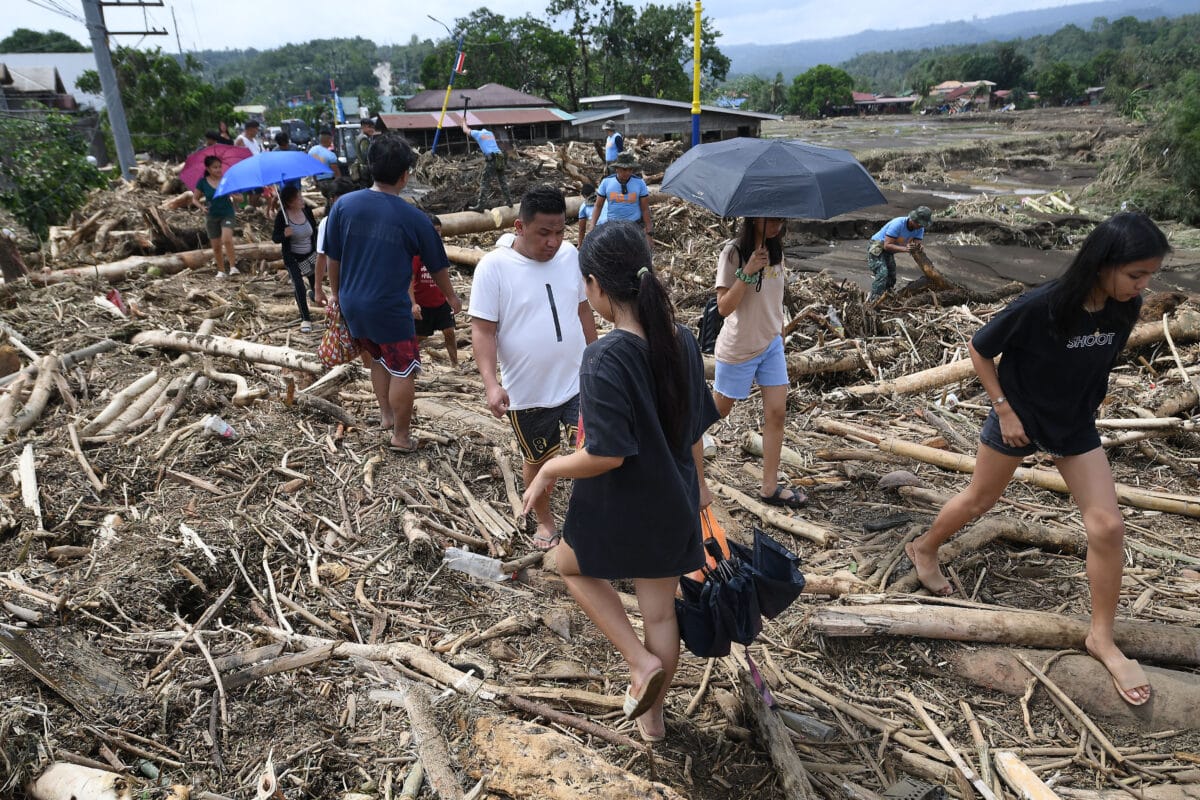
(35,67)
(511,115)
(667,119)
(31,87)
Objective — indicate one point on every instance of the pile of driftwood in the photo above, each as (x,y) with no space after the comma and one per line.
(187,613)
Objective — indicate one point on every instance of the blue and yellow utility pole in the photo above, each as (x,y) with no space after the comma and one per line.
(696,78)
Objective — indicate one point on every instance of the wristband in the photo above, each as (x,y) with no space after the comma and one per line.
(999,401)
(743,277)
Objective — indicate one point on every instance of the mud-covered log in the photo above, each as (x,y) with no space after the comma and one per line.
(1168,644)
(522,759)
(774,736)
(1173,703)
(12,266)
(494,219)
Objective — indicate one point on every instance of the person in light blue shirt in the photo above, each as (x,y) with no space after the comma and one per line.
(494,167)
(614,145)
(323,152)
(588,191)
(899,235)
(623,196)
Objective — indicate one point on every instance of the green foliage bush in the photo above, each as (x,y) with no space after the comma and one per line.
(168,104)
(819,90)
(44,174)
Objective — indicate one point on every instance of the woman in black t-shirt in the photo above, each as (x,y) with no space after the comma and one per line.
(634,508)
(1060,342)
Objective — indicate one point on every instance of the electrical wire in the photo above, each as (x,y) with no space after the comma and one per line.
(58,7)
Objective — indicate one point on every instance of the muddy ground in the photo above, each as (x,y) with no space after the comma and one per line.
(303,517)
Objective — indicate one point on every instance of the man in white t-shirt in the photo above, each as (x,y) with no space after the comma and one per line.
(529,308)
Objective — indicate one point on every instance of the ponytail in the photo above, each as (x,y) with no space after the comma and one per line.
(617,256)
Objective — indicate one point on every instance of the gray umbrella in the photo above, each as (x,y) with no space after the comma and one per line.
(746,177)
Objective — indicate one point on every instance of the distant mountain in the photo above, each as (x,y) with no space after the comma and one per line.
(796,57)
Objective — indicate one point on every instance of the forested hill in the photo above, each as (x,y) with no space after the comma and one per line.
(796,57)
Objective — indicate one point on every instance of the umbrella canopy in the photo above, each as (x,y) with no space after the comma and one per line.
(747,177)
(193,168)
(728,605)
(265,169)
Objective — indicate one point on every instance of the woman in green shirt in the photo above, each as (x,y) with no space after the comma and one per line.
(221,217)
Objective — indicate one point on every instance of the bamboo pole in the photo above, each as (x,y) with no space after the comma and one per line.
(169,263)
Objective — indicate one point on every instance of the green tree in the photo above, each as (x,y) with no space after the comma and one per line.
(44,174)
(819,90)
(24,40)
(1056,83)
(167,103)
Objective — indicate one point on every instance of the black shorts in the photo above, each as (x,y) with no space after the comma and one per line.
(437,318)
(539,430)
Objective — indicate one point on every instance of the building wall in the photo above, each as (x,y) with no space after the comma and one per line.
(675,123)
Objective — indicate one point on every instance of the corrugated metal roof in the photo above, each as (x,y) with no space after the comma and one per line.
(590,117)
(632,98)
(490,95)
(486,117)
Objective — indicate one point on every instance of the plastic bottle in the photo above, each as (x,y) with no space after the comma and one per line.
(219,427)
(480,566)
(835,321)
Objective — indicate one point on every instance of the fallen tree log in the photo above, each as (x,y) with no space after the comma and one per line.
(1010,529)
(63,781)
(12,266)
(819,362)
(1176,791)
(1044,478)
(36,404)
(1184,326)
(1176,695)
(774,735)
(522,759)
(1168,644)
(169,263)
(467,256)
(777,519)
(490,427)
(185,341)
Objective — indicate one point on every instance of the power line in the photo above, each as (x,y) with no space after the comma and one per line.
(57,7)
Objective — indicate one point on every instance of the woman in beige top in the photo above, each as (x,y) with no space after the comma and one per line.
(750,278)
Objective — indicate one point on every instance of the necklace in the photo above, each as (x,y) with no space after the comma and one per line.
(1092,321)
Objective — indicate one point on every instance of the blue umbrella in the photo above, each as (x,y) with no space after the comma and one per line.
(746,177)
(265,169)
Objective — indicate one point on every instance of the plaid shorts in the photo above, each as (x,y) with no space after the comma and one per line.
(401,358)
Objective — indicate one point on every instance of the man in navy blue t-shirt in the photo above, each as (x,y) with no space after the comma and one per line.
(370,240)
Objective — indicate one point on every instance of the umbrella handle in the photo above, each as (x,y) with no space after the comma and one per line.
(713,548)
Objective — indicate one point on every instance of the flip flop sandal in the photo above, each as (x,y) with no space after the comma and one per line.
(1135,676)
(636,705)
(913,789)
(648,737)
(544,543)
(794,500)
(399,449)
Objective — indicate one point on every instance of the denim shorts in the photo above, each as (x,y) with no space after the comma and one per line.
(768,368)
(1082,442)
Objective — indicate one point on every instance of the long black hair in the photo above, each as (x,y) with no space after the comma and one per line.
(617,257)
(746,241)
(1119,240)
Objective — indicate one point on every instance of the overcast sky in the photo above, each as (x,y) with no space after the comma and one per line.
(219,24)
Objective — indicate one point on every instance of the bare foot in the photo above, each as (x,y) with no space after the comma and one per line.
(1127,675)
(928,571)
(405,445)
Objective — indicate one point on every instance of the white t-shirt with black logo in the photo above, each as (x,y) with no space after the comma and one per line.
(539,339)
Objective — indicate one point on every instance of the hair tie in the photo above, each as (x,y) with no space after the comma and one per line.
(641,273)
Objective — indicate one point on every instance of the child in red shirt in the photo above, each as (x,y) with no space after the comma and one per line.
(431,311)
